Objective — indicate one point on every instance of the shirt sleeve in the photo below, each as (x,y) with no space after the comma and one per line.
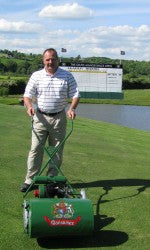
(73,90)
(30,89)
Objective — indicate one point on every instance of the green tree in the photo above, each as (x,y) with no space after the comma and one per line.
(10,65)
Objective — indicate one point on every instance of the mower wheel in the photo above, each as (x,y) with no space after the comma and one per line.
(83,194)
(25,216)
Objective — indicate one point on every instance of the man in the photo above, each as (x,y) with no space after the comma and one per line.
(51,87)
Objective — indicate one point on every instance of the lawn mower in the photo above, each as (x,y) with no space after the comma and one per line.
(57,210)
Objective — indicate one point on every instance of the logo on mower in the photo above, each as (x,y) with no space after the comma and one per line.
(62,212)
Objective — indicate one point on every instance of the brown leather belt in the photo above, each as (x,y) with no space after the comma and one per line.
(49,114)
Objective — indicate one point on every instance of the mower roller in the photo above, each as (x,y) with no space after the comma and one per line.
(57,210)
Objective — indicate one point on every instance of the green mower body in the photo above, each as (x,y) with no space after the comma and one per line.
(58,217)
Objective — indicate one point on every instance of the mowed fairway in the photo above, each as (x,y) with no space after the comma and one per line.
(112,163)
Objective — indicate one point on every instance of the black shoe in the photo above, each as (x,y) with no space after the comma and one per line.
(24,187)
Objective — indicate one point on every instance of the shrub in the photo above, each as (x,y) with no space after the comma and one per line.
(17,87)
(4,91)
(14,87)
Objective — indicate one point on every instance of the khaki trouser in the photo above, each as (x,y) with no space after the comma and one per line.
(53,130)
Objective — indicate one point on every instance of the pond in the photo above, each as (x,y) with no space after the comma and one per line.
(126,115)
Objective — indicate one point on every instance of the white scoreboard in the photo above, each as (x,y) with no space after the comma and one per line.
(97,80)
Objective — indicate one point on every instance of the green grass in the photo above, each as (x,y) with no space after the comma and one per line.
(111,162)
(131,97)
(11,77)
(10,100)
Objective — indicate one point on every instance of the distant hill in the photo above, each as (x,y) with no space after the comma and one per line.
(136,74)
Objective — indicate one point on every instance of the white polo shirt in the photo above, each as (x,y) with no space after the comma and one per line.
(51,92)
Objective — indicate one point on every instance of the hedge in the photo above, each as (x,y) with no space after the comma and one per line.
(14,87)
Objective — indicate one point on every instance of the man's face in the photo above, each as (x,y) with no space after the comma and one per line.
(50,61)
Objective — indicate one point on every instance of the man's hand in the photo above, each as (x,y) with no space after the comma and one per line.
(28,104)
(71,114)
(30,111)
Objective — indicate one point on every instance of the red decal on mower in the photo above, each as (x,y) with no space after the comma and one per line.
(62,222)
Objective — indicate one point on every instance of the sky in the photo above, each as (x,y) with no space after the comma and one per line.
(100,28)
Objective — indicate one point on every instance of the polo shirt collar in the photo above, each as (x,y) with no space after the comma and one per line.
(47,74)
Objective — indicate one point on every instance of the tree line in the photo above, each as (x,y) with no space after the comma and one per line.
(136,74)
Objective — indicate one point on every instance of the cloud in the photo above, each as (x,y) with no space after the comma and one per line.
(108,41)
(122,11)
(66,11)
(18,27)
(102,41)
(62,33)
(16,43)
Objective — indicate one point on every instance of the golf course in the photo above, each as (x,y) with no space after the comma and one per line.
(110,162)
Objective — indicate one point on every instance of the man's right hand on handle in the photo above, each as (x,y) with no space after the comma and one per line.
(28,104)
(30,111)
